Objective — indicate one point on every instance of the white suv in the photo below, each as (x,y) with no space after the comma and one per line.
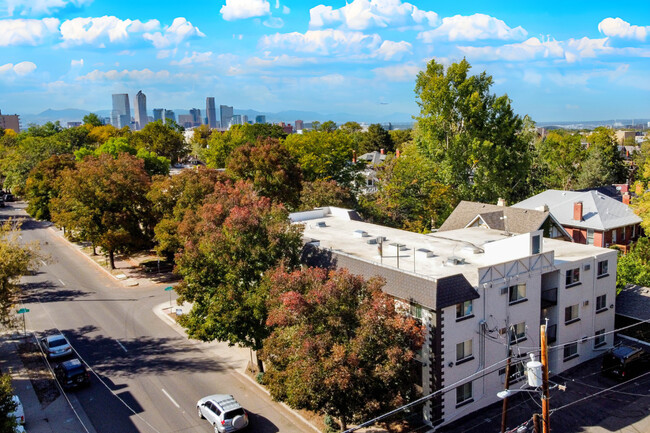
(223,412)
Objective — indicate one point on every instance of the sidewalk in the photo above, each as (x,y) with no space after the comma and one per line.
(55,417)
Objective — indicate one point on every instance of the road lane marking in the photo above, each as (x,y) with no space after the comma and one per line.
(61,281)
(123,348)
(170,397)
(43,261)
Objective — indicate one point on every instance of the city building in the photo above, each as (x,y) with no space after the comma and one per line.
(625,137)
(197,120)
(590,217)
(10,121)
(211,112)
(158,114)
(73,124)
(244,119)
(226,113)
(186,120)
(141,118)
(169,114)
(121,114)
(236,119)
(299,125)
(481,295)
(260,119)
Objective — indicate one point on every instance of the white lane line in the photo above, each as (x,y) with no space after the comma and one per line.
(123,348)
(61,281)
(43,261)
(170,397)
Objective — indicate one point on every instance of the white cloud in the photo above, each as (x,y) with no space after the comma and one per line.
(27,32)
(365,14)
(144,75)
(21,69)
(76,63)
(281,60)
(180,30)
(404,73)
(274,22)
(241,9)
(323,42)
(96,31)
(471,28)
(531,49)
(286,10)
(332,80)
(390,49)
(532,77)
(45,7)
(196,57)
(616,27)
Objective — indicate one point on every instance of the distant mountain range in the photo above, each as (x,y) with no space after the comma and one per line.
(290,116)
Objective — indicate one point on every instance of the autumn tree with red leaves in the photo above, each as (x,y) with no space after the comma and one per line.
(338,345)
(228,244)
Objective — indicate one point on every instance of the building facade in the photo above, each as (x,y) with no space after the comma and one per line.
(226,113)
(141,118)
(10,121)
(158,114)
(197,120)
(121,114)
(300,125)
(482,295)
(210,112)
(260,119)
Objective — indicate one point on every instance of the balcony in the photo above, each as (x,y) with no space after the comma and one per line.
(549,298)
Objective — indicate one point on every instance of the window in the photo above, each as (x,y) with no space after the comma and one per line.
(623,237)
(603,267)
(590,236)
(518,332)
(464,310)
(571,314)
(572,277)
(464,350)
(537,244)
(601,303)
(517,371)
(633,231)
(600,338)
(516,293)
(570,351)
(613,236)
(464,393)
(416,311)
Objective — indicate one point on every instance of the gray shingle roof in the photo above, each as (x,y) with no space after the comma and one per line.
(453,290)
(634,302)
(516,221)
(599,211)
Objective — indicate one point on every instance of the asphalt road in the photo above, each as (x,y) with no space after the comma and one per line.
(148,377)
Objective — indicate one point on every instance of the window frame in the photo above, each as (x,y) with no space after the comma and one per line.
(464,394)
(467,355)
(599,339)
(461,310)
(519,297)
(567,348)
(602,269)
(573,317)
(517,336)
(590,236)
(572,277)
(601,306)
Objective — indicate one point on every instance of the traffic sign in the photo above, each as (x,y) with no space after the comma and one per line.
(168,288)
(23,311)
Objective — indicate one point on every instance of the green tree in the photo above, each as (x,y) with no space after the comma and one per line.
(271,169)
(172,197)
(323,192)
(338,345)
(153,163)
(327,126)
(104,201)
(7,405)
(400,136)
(43,184)
(634,267)
(222,144)
(92,119)
(46,130)
(603,164)
(17,260)
(561,154)
(228,244)
(376,138)
(472,136)
(164,140)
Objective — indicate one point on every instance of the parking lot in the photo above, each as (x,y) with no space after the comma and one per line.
(591,403)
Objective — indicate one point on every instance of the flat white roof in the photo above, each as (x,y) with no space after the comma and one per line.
(333,229)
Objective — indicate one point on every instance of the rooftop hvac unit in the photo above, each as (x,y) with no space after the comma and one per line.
(321,224)
(371,241)
(360,234)
(455,261)
(423,253)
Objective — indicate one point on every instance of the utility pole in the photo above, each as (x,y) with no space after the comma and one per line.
(546,428)
(504,412)
(536,423)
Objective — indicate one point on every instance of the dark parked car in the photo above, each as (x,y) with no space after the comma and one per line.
(72,374)
(8,197)
(625,362)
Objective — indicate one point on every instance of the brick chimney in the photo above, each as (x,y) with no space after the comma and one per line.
(381,151)
(354,157)
(577,211)
(502,202)
(396,153)
(626,198)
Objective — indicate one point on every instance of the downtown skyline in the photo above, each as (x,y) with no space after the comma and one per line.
(557,62)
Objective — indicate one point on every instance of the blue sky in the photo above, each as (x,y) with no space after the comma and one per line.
(569,60)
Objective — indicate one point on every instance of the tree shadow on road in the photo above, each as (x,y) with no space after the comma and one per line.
(46,292)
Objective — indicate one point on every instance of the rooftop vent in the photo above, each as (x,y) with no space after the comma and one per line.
(423,253)
(321,224)
(360,234)
(401,247)
(455,261)
(372,241)
(470,249)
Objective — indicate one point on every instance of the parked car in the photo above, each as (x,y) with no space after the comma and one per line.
(72,374)
(625,362)
(56,346)
(19,412)
(223,412)
(8,197)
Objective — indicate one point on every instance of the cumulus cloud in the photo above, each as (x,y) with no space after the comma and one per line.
(281,60)
(404,72)
(530,49)
(196,57)
(365,14)
(96,31)
(390,49)
(126,75)
(241,9)
(618,28)
(180,30)
(27,32)
(20,69)
(472,28)
(77,63)
(41,7)
(325,42)
(274,22)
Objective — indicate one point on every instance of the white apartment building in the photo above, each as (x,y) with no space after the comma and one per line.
(482,294)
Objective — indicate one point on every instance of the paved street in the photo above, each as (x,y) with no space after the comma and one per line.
(147,376)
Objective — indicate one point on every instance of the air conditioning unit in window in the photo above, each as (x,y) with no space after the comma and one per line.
(587,266)
(585,303)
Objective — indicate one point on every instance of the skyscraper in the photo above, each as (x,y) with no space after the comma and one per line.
(141,118)
(169,114)
(260,119)
(121,115)
(211,112)
(300,125)
(226,116)
(158,114)
(196,117)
